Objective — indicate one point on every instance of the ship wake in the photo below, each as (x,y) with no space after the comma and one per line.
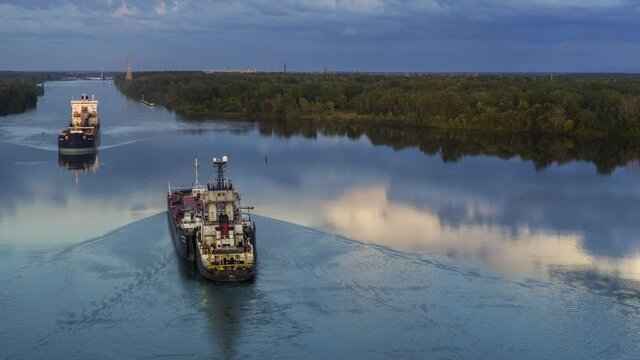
(316,295)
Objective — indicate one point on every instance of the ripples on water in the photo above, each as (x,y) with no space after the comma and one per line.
(126,294)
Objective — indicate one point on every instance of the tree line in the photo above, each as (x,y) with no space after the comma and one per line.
(575,104)
(19,91)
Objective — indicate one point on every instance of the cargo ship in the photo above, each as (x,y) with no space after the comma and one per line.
(82,136)
(211,229)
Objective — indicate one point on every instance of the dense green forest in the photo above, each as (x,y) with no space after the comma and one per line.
(19,91)
(577,104)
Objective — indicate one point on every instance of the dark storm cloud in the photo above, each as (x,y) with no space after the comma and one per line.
(369,34)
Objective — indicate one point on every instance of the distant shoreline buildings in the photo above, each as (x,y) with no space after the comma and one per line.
(224,70)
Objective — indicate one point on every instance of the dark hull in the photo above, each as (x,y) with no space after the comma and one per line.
(183,242)
(79,142)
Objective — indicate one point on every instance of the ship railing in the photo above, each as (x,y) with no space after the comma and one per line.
(183,187)
(224,266)
(178,188)
(199,189)
(86,132)
(234,250)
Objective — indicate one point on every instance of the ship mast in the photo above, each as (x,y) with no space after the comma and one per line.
(220,164)
(196,183)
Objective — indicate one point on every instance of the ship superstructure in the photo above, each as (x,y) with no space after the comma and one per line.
(210,228)
(83,133)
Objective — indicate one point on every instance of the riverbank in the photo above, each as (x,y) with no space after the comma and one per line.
(601,104)
(18,97)
(19,91)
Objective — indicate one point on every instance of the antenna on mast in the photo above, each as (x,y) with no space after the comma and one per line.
(196,183)
(220,163)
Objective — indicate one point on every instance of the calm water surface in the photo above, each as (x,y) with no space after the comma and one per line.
(366,251)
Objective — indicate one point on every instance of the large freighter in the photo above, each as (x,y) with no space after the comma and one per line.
(82,136)
(210,228)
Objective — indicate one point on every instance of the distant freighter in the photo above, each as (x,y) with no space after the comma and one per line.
(83,134)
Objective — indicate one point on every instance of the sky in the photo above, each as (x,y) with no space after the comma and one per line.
(311,35)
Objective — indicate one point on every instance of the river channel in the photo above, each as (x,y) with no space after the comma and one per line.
(369,247)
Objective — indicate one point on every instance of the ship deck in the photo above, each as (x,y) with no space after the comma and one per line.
(182,200)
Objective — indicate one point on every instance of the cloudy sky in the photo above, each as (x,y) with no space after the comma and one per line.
(307,35)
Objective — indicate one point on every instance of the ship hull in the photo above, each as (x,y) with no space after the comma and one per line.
(227,275)
(184,243)
(77,143)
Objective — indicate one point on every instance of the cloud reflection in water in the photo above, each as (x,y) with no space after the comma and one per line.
(367,214)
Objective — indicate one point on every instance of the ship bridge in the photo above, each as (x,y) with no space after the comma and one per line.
(84,112)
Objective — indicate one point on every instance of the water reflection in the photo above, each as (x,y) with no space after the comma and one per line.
(79,164)
(224,307)
(84,162)
(606,153)
(369,215)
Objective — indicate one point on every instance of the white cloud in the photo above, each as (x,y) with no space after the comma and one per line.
(161,9)
(124,11)
(564,3)
(359,6)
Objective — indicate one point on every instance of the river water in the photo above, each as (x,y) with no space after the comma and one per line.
(366,251)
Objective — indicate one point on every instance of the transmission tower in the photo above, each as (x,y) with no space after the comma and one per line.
(128,75)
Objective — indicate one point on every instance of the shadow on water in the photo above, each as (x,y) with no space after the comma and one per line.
(222,304)
(78,162)
(187,270)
